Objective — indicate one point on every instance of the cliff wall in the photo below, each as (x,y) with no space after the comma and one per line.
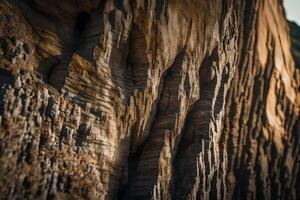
(148,99)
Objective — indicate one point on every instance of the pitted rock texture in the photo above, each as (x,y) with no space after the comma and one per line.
(148,99)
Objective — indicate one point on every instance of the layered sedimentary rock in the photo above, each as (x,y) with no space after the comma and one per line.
(261,129)
(147,100)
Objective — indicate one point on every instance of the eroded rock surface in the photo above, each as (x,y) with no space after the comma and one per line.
(147,99)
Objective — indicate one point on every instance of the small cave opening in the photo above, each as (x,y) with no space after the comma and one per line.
(54,69)
(80,26)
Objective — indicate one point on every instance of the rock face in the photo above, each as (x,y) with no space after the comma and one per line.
(148,99)
(295,37)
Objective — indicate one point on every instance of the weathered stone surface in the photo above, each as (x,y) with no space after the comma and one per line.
(261,130)
(148,99)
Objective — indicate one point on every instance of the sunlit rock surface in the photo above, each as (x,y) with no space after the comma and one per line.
(148,99)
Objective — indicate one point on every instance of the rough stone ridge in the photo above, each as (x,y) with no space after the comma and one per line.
(148,99)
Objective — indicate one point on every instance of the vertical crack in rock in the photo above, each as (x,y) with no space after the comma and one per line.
(196,135)
(152,176)
(200,153)
(142,77)
(137,59)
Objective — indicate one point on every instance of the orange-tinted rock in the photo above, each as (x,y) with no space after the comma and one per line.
(148,99)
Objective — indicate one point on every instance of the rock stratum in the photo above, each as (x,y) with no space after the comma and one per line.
(148,99)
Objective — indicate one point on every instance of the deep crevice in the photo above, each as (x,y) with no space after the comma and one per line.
(6,79)
(196,130)
(170,78)
(137,59)
(54,69)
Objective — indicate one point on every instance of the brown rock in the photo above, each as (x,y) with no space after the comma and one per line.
(148,99)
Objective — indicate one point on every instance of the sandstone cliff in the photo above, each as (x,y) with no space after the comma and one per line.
(148,99)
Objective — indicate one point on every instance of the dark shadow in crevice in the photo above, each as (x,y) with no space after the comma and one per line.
(54,70)
(84,131)
(170,80)
(82,21)
(46,66)
(6,79)
(195,131)
(137,58)
(220,97)
(137,76)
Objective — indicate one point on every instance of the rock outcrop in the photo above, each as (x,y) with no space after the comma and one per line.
(148,99)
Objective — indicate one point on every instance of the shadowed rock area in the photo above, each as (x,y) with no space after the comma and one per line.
(148,99)
(295,37)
